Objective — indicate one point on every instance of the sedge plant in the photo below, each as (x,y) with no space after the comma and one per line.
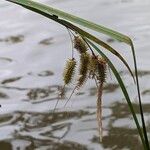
(94,44)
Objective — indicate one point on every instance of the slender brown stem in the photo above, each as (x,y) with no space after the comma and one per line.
(59,97)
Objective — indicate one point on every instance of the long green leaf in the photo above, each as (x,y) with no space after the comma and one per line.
(50,10)
(140,102)
(126,95)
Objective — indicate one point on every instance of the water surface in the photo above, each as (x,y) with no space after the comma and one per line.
(32,57)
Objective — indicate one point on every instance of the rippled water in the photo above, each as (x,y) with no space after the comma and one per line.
(33,51)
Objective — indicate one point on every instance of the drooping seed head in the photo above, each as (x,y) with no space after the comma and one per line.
(101,70)
(83,69)
(93,63)
(69,71)
(80,44)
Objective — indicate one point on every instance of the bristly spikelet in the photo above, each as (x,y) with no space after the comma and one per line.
(80,44)
(84,63)
(69,71)
(83,69)
(93,63)
(101,70)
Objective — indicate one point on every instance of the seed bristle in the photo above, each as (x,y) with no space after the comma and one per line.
(101,70)
(69,71)
(83,69)
(92,66)
(80,44)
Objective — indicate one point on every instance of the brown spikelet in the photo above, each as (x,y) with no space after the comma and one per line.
(101,70)
(83,69)
(80,44)
(93,63)
(69,71)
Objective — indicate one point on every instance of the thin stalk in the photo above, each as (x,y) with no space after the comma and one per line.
(72,49)
(89,47)
(70,96)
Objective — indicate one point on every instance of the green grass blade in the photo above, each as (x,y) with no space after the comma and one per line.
(140,101)
(123,88)
(50,10)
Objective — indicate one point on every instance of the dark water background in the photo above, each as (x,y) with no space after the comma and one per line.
(33,51)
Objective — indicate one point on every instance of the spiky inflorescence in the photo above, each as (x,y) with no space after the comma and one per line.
(93,63)
(69,71)
(83,69)
(80,44)
(101,70)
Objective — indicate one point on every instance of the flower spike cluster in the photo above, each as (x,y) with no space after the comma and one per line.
(90,67)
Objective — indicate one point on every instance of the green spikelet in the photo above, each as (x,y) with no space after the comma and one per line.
(101,70)
(69,71)
(80,44)
(83,69)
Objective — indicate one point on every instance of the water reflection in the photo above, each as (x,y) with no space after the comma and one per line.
(5,145)
(108,88)
(3,95)
(10,80)
(47,41)
(13,39)
(43,130)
